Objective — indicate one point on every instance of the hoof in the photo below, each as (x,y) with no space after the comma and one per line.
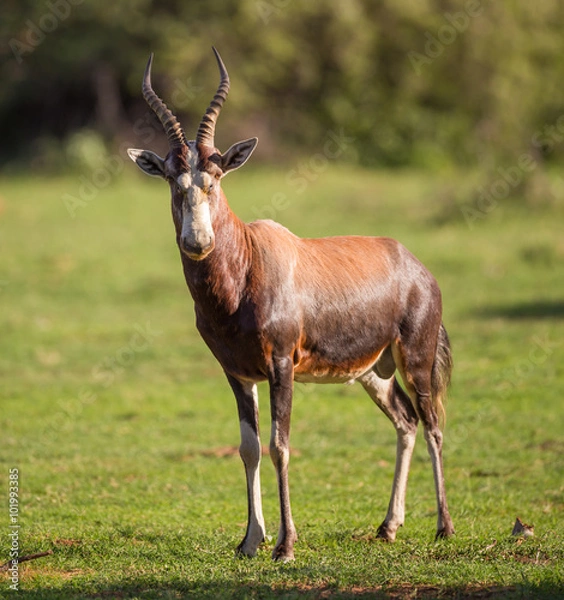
(445,532)
(243,549)
(283,558)
(282,555)
(250,545)
(385,534)
(240,553)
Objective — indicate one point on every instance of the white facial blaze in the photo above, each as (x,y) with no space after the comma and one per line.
(196,224)
(197,231)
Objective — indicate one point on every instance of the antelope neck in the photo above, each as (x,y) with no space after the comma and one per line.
(218,282)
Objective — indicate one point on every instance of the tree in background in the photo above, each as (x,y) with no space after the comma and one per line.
(422,83)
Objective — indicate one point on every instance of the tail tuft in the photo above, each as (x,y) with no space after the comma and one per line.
(442,370)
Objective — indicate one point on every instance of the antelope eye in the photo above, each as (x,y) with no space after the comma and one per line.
(207,184)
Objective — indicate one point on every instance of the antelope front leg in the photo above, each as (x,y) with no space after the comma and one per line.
(281,389)
(250,452)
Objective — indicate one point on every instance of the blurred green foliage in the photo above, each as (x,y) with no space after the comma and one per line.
(429,83)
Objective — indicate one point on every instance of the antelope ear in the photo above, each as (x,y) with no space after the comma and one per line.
(147,161)
(237,155)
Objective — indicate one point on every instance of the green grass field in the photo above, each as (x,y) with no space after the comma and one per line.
(124,431)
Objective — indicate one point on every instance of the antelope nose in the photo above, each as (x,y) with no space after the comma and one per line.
(198,250)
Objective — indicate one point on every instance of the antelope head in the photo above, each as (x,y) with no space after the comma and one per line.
(192,168)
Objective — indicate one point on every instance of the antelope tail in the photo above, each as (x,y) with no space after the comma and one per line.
(442,369)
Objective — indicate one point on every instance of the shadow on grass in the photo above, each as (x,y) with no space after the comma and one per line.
(541,309)
(231,591)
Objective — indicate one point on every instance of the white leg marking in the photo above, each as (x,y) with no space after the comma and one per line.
(250,451)
(396,510)
(380,391)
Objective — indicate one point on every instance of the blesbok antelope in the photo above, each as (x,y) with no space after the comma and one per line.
(272,306)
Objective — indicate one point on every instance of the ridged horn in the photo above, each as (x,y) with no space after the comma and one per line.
(206,130)
(173,130)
